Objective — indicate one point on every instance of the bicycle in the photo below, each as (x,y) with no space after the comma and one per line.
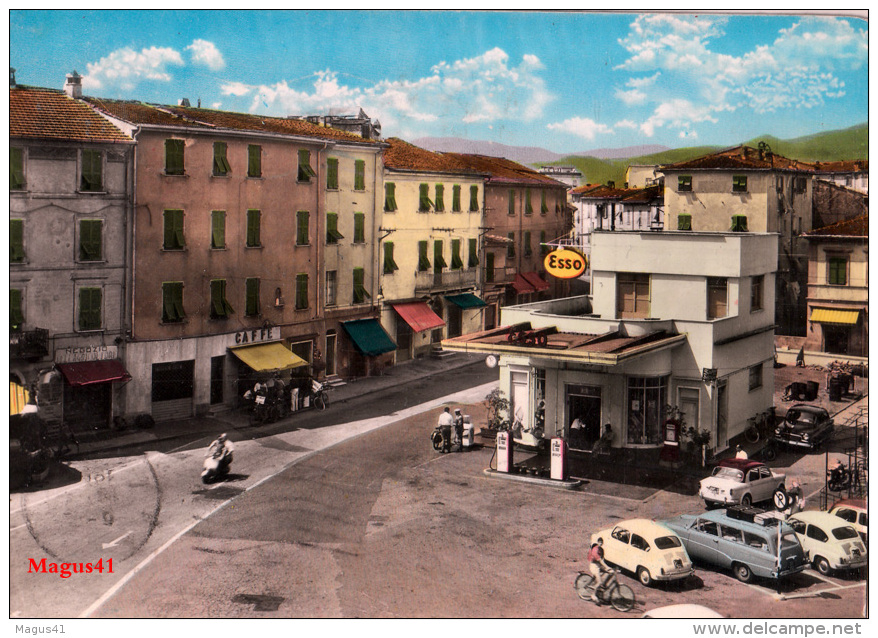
(620,596)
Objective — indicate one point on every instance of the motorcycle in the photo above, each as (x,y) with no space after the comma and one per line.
(839,478)
(216,465)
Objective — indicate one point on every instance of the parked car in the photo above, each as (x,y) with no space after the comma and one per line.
(682,610)
(829,543)
(854,511)
(744,540)
(805,426)
(740,482)
(647,549)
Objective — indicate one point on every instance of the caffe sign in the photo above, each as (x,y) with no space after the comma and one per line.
(565,263)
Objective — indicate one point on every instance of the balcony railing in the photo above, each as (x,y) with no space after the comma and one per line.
(445,279)
(29,344)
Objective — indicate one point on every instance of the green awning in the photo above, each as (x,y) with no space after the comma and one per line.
(369,337)
(466,300)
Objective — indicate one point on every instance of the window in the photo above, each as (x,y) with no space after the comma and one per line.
(90,308)
(438,259)
(544,206)
(389,264)
(838,271)
(755,377)
(251,296)
(684,221)
(253,222)
(390,197)
(301,291)
(332,234)
(220,308)
(302,220)
(717,297)
(16,169)
(647,397)
(800,184)
(489,267)
(172,302)
(528,250)
(91,177)
(174,239)
(218,229)
(359,175)
(174,157)
(510,246)
(424,203)
(90,231)
(528,207)
(423,260)
(254,160)
(511,201)
(359,228)
(456,261)
(817,534)
(739,223)
(220,162)
(757,286)
(305,170)
(455,198)
(632,295)
(16,240)
(331,287)
(331,173)
(684,183)
(16,316)
(473,198)
(739,183)
(473,252)
(360,293)
(638,542)
(544,247)
(440,197)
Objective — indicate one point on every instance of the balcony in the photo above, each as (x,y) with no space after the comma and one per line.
(29,344)
(445,280)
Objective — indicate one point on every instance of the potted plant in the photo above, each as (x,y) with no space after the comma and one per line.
(497,407)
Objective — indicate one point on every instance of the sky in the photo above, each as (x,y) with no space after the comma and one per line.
(564,81)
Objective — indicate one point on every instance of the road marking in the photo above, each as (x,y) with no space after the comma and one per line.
(819,591)
(113,543)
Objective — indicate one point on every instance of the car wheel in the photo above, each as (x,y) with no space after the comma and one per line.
(747,500)
(742,572)
(822,565)
(644,576)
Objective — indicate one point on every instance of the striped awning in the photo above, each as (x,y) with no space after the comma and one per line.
(829,315)
(418,315)
(266,357)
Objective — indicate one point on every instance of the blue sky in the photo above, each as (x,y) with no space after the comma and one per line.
(566,81)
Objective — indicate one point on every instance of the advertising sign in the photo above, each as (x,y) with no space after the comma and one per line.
(565,263)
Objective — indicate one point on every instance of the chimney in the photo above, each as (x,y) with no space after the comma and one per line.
(183,102)
(611,184)
(11,77)
(73,86)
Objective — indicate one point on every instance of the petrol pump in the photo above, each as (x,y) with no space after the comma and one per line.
(671,446)
(559,459)
(504,451)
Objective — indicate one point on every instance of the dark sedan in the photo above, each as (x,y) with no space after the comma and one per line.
(806,426)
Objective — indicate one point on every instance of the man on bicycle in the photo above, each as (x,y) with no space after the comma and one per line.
(598,568)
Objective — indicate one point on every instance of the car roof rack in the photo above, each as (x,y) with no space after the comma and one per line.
(754,515)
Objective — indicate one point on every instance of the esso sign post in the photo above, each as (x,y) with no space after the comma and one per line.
(565,263)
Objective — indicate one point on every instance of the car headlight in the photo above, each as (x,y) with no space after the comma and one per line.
(805,436)
(777,430)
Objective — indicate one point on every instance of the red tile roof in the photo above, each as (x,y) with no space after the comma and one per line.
(49,114)
(504,171)
(854,166)
(644,194)
(400,155)
(741,158)
(857,227)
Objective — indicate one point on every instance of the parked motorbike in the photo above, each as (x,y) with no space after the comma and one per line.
(217,462)
(839,478)
(438,439)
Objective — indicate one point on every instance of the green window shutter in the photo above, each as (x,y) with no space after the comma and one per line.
(739,223)
(360,292)
(544,206)
(332,173)
(220,308)
(528,251)
(389,264)
(174,239)
(473,252)
(359,228)
(838,271)
(251,296)
(455,198)
(16,316)
(544,249)
(510,247)
(301,291)
(254,160)
(174,164)
(302,220)
(89,308)
(16,240)
(16,168)
(489,267)
(253,219)
(424,205)
(684,183)
(305,170)
(528,207)
(684,221)
(423,260)
(359,175)
(220,162)
(511,201)
(438,259)
(332,234)
(172,302)
(440,197)
(90,247)
(456,261)
(218,229)
(389,197)
(473,198)
(92,167)
(739,183)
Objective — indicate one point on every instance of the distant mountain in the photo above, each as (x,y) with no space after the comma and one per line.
(624,153)
(527,154)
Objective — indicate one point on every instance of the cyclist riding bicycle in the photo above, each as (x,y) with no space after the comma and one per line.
(598,568)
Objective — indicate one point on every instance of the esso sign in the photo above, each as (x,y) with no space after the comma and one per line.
(565,263)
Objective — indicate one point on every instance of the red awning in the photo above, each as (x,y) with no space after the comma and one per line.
(418,315)
(536,281)
(522,286)
(88,372)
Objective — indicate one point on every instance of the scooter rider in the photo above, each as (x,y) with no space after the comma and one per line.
(222,448)
(446,421)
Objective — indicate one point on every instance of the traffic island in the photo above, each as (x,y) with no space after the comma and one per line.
(533,479)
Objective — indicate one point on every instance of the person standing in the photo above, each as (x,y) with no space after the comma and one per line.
(796,497)
(740,453)
(458,429)
(446,422)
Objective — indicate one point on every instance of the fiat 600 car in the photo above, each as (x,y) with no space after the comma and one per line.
(740,482)
(829,543)
(647,549)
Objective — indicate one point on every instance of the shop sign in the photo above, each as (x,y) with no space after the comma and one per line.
(565,263)
(77,354)
(255,335)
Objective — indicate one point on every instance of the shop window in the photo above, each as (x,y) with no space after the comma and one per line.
(389,197)
(220,308)
(305,170)
(302,222)
(359,175)
(221,166)
(717,297)
(302,291)
(331,173)
(253,228)
(254,160)
(90,244)
(218,229)
(360,292)
(90,308)
(91,171)
(174,163)
(251,296)
(632,295)
(647,398)
(173,236)
(172,302)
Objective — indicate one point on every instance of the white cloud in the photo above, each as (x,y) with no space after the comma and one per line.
(625,124)
(126,67)
(580,126)
(676,113)
(632,97)
(206,53)
(236,88)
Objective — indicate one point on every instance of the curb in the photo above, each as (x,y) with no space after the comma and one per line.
(566,484)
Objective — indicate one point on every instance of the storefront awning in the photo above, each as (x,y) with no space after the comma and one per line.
(536,281)
(466,300)
(266,357)
(418,315)
(89,372)
(827,315)
(522,286)
(369,337)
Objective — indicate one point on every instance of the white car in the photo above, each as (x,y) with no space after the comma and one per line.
(683,610)
(829,542)
(650,550)
(740,482)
